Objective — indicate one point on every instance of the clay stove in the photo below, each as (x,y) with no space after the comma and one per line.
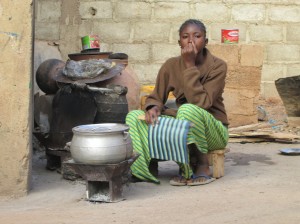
(70,105)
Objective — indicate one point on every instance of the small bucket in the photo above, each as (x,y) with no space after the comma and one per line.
(90,42)
(230,36)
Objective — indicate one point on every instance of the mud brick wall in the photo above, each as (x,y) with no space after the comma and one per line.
(147,30)
(243,81)
(268,49)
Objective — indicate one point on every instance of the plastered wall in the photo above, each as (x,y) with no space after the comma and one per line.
(147,30)
(15,100)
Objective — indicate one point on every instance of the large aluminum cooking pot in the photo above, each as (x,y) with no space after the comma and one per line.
(104,143)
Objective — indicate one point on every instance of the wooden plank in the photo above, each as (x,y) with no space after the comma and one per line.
(247,140)
(284,136)
(250,127)
(271,137)
(249,134)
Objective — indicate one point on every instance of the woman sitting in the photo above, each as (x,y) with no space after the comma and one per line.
(197,79)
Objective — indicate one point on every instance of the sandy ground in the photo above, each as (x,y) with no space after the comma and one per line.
(260,186)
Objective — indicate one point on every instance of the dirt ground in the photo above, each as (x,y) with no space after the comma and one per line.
(260,185)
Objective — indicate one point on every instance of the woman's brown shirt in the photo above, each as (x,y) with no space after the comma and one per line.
(201,85)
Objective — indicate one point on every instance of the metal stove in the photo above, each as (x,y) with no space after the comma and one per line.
(104,183)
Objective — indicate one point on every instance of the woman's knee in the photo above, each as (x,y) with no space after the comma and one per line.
(189,110)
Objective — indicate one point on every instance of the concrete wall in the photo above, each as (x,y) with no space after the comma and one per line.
(15,100)
(147,30)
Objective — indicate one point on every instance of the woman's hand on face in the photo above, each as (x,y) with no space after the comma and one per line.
(151,115)
(189,53)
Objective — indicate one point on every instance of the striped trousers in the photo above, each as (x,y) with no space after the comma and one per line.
(207,133)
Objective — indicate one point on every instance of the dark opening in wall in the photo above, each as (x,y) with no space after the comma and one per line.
(92,11)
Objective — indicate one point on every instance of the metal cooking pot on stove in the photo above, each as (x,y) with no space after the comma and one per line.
(104,143)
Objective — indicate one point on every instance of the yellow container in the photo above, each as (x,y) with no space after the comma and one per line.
(146,91)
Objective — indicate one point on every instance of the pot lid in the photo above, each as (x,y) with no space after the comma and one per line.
(101,128)
(114,71)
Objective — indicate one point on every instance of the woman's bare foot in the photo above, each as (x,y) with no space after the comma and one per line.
(202,174)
